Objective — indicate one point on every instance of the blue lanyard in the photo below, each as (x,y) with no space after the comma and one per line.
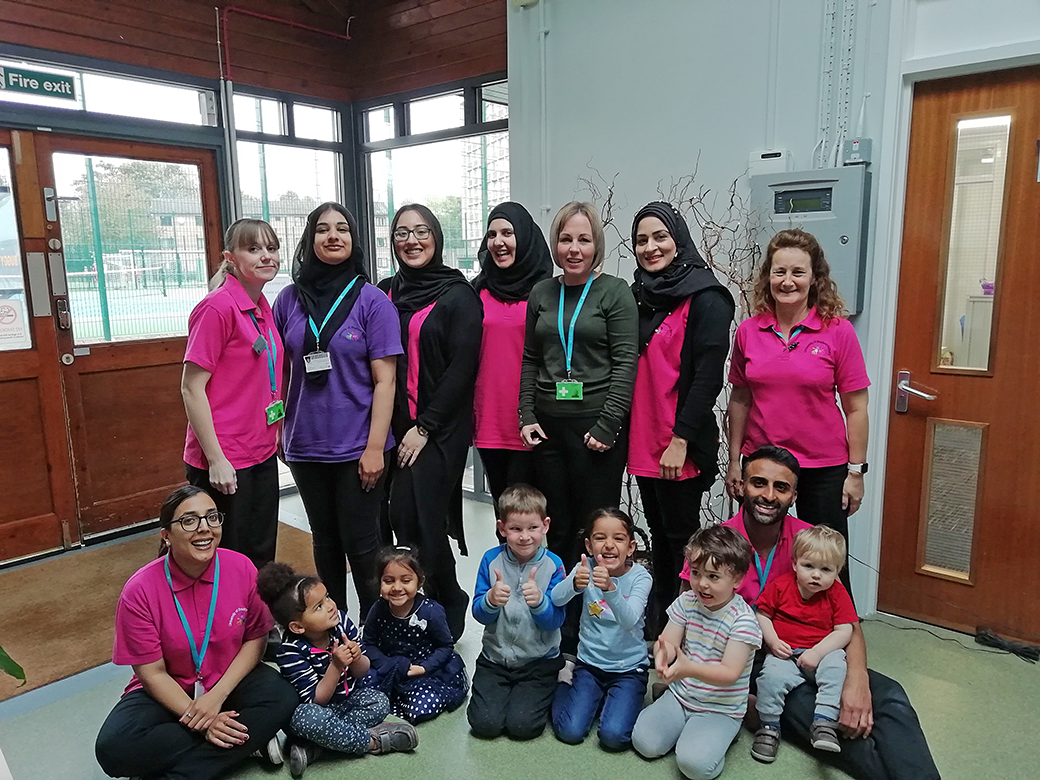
(196,654)
(271,348)
(568,339)
(794,335)
(763,573)
(310,320)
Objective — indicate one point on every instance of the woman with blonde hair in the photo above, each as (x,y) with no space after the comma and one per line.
(792,363)
(232,391)
(576,380)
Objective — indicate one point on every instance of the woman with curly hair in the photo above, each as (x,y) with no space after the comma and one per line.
(789,363)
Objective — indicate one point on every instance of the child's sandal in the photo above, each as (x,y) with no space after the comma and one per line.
(393,737)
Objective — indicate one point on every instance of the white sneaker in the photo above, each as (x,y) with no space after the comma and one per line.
(274,751)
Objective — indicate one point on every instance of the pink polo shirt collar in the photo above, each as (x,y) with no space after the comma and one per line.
(812,321)
(239,295)
(182,581)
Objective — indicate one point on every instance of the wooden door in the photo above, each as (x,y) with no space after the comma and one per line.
(152,214)
(38,508)
(960,535)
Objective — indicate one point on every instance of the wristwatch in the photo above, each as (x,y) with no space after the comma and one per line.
(858,468)
(422,431)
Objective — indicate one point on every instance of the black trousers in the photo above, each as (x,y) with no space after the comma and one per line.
(819,503)
(575,480)
(672,509)
(421,499)
(344,520)
(515,702)
(250,513)
(141,738)
(504,468)
(896,748)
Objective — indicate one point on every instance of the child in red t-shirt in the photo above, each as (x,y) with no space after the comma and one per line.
(806,618)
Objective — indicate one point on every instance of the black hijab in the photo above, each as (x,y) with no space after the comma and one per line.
(412,289)
(532,263)
(658,294)
(319,284)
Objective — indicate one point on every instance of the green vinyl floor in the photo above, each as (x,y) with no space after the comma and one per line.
(979,711)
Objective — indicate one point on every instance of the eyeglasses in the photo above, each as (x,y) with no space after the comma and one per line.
(191,523)
(421,232)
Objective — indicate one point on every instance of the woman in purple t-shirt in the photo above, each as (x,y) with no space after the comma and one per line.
(685,315)
(342,340)
(514,258)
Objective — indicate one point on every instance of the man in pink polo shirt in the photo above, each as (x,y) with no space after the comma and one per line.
(884,737)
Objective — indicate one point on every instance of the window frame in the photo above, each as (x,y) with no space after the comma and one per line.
(403,137)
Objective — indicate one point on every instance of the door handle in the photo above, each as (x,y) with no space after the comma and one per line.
(64,316)
(904,391)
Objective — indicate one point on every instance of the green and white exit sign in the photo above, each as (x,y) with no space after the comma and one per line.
(36,83)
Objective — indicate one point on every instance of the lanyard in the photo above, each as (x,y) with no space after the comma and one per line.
(196,654)
(271,348)
(763,573)
(310,320)
(790,343)
(568,339)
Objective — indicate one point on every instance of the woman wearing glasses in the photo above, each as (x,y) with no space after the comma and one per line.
(342,339)
(433,416)
(232,391)
(193,628)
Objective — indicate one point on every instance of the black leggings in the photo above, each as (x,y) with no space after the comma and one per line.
(504,468)
(672,509)
(250,513)
(141,738)
(819,503)
(575,479)
(344,520)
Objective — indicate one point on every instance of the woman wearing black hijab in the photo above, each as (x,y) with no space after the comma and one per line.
(685,315)
(513,257)
(440,321)
(342,340)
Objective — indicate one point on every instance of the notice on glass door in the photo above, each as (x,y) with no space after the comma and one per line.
(14,325)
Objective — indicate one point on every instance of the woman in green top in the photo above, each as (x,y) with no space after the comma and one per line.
(579,369)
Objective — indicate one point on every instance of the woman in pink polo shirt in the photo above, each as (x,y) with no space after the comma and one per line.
(194,629)
(685,315)
(514,257)
(433,414)
(232,392)
(792,362)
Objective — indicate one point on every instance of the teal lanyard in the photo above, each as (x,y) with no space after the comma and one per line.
(271,348)
(310,320)
(794,335)
(196,654)
(763,573)
(568,339)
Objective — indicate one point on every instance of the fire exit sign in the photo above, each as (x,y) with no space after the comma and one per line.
(36,83)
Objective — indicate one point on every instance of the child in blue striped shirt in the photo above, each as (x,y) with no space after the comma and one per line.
(611,673)
(321,657)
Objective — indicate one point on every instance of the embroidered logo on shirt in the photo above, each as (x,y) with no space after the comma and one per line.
(821,348)
(238,617)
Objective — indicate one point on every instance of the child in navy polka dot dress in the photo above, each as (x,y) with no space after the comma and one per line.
(407,638)
(321,657)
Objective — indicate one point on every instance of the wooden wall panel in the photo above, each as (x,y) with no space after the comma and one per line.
(396,46)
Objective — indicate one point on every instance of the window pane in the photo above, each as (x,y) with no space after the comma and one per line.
(379,124)
(436,113)
(14,314)
(494,101)
(147,100)
(314,122)
(133,257)
(258,115)
(460,180)
(975,220)
(283,184)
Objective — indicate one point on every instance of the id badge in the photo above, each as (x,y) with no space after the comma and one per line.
(569,390)
(199,690)
(317,361)
(275,411)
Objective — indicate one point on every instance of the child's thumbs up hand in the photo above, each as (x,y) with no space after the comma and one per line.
(500,592)
(600,575)
(341,654)
(581,574)
(532,595)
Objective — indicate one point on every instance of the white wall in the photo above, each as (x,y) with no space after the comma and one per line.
(638,87)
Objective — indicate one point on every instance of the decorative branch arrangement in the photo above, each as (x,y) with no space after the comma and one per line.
(730,229)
